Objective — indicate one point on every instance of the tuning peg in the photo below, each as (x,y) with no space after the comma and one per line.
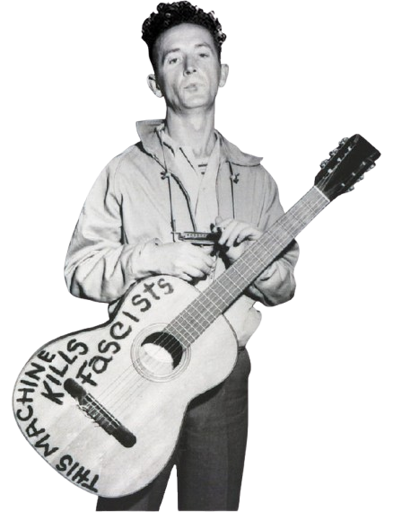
(324,163)
(368,174)
(333,152)
(343,141)
(353,187)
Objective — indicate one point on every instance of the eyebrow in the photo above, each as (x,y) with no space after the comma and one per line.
(174,50)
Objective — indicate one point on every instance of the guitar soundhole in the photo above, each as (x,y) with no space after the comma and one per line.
(164,347)
(158,355)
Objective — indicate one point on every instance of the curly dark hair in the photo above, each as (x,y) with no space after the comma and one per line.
(171,14)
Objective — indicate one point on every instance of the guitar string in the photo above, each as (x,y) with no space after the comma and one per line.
(286,219)
(187,327)
(284,224)
(193,305)
(157,367)
(257,265)
(105,416)
(190,324)
(203,326)
(96,406)
(187,324)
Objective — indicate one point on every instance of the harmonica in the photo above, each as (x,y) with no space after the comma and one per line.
(198,237)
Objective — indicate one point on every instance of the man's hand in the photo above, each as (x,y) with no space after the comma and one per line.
(234,235)
(181,259)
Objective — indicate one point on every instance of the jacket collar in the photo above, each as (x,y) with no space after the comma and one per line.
(148,132)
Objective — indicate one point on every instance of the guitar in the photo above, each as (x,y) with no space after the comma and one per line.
(104,406)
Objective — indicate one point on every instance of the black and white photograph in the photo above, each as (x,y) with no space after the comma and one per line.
(196,218)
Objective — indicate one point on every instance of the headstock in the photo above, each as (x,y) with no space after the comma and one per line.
(346,165)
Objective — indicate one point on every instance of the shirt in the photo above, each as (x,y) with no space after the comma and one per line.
(200,184)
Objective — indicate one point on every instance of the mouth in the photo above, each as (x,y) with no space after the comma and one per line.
(192,87)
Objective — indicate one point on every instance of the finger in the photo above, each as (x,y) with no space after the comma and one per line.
(203,267)
(221,224)
(230,230)
(207,249)
(194,254)
(234,235)
(195,259)
(203,256)
(185,277)
(248,233)
(194,272)
(222,228)
(217,222)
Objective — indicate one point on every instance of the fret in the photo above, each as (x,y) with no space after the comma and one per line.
(190,326)
(246,268)
(190,323)
(220,301)
(298,220)
(311,207)
(194,321)
(197,317)
(189,330)
(209,304)
(240,274)
(210,315)
(279,241)
(233,284)
(184,338)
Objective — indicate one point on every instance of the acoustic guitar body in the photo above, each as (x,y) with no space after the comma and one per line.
(104,406)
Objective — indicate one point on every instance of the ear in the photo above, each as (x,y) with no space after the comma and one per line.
(153,86)
(223,75)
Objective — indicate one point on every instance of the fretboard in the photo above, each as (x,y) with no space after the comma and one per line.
(219,296)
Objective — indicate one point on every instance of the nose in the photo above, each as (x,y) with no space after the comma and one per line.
(189,66)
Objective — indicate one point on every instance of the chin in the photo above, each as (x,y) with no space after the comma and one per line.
(197,102)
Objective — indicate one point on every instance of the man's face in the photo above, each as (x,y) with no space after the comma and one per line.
(188,71)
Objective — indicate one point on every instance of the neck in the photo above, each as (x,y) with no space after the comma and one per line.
(195,130)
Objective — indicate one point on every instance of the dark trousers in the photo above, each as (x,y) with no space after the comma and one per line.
(210,452)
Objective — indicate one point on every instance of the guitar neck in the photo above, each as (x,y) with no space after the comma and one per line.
(219,296)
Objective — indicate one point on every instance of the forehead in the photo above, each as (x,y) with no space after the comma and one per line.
(181,37)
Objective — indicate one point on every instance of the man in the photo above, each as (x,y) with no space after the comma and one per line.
(184,176)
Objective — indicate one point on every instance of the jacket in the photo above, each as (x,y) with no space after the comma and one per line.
(129,208)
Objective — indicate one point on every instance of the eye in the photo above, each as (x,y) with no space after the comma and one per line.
(173,60)
(204,55)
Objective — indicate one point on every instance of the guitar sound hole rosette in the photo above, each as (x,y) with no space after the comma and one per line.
(159,356)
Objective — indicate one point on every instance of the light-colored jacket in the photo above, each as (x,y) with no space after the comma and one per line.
(129,208)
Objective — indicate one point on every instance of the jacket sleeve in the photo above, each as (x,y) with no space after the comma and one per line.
(99,265)
(276,284)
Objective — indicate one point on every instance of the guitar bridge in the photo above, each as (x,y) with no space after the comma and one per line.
(99,414)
